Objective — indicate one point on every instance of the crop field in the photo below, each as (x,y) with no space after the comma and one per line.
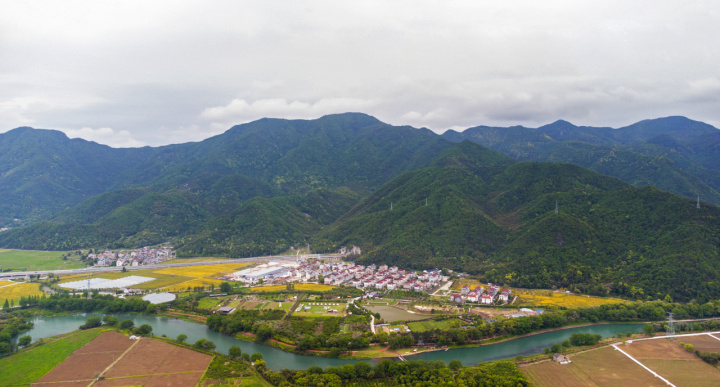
(608,367)
(191,284)
(122,362)
(203,271)
(21,260)
(319,309)
(424,326)
(702,343)
(6,283)
(534,297)
(457,285)
(22,289)
(191,260)
(302,287)
(674,363)
(28,366)
(211,302)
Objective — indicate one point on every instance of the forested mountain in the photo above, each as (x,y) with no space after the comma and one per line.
(43,172)
(497,218)
(674,153)
(404,195)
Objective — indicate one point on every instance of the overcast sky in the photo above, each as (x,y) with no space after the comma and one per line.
(132,73)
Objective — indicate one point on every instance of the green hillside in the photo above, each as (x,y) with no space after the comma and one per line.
(674,154)
(498,220)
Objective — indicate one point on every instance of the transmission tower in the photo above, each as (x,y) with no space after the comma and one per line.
(698,202)
(88,286)
(671,324)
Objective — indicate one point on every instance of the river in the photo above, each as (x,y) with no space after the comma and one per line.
(277,359)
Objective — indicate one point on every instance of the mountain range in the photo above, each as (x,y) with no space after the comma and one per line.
(482,201)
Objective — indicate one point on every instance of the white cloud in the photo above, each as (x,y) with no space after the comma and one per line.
(240,110)
(107,136)
(166,71)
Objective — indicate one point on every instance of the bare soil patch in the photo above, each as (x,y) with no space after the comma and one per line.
(172,380)
(143,359)
(110,342)
(703,343)
(608,367)
(657,349)
(552,374)
(184,360)
(685,372)
(122,382)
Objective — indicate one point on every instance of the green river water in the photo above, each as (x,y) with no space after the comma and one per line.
(277,359)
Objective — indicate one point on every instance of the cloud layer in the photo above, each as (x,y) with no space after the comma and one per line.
(167,72)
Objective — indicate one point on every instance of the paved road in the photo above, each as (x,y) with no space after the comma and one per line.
(96,269)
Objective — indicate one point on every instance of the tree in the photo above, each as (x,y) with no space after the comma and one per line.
(25,341)
(321,279)
(235,352)
(649,329)
(92,322)
(127,324)
(144,329)
(110,320)
(204,344)
(6,305)
(455,365)
(255,357)
(181,338)
(225,287)
(555,348)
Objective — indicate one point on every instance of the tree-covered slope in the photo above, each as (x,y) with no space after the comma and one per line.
(43,172)
(674,153)
(498,219)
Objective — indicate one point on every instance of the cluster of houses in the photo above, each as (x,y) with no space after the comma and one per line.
(481,295)
(371,277)
(144,256)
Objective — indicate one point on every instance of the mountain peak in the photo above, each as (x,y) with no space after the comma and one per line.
(559,124)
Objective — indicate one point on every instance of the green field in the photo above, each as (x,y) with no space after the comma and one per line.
(429,325)
(27,260)
(29,366)
(319,309)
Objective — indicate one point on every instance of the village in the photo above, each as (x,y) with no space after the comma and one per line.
(143,256)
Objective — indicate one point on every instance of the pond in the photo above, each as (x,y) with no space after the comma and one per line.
(277,359)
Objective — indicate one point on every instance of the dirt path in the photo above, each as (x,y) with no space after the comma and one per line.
(113,363)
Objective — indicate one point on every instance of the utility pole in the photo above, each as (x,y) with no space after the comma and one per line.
(698,202)
(556,207)
(390,206)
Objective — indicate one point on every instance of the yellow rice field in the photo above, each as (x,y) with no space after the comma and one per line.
(6,283)
(203,271)
(305,287)
(191,260)
(536,297)
(14,292)
(205,282)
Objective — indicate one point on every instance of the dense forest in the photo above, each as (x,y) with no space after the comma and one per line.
(406,196)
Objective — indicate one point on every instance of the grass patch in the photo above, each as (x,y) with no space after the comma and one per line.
(431,325)
(29,366)
(22,260)
(319,309)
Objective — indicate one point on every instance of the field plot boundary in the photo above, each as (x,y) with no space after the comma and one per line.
(643,366)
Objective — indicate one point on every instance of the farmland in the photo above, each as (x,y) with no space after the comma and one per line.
(120,361)
(298,287)
(430,325)
(28,366)
(534,297)
(319,309)
(173,278)
(22,289)
(22,260)
(608,367)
